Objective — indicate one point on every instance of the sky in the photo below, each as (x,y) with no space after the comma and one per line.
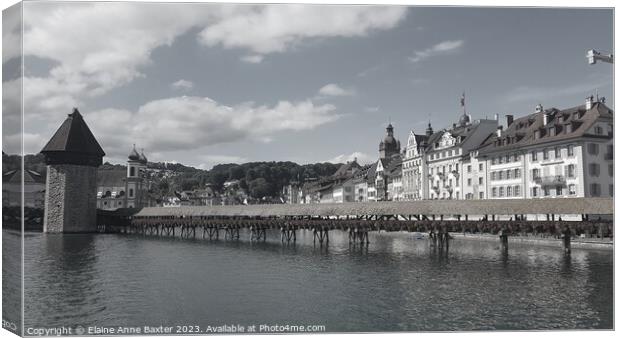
(203,84)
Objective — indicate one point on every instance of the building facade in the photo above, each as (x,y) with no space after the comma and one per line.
(125,188)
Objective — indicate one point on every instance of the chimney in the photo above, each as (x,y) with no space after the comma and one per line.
(499,131)
(546,118)
(509,119)
(589,102)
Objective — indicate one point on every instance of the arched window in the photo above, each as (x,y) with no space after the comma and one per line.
(108,193)
(121,193)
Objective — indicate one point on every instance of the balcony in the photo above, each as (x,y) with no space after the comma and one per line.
(553,180)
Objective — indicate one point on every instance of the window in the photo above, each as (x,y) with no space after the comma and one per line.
(570,150)
(481,195)
(534,191)
(500,160)
(611,190)
(598,130)
(535,173)
(611,170)
(501,174)
(130,192)
(594,169)
(595,189)
(493,176)
(534,156)
(507,158)
(132,171)
(508,191)
(517,190)
(480,180)
(501,191)
(593,148)
(571,189)
(469,182)
(493,160)
(480,167)
(571,171)
(545,154)
(546,191)
(517,173)
(558,152)
(516,158)
(507,174)
(469,168)
(558,190)
(494,192)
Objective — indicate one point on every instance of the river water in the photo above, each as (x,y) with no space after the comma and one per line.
(396,283)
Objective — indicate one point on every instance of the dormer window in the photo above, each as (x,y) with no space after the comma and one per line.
(552,131)
(537,134)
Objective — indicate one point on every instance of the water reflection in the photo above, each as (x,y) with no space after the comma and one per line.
(394,283)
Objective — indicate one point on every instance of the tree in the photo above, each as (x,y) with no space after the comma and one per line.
(260,188)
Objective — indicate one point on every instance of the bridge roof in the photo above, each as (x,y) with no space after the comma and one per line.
(428,207)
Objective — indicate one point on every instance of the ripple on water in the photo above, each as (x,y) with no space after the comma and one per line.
(396,283)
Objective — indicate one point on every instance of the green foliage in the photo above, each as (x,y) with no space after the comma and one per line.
(258,179)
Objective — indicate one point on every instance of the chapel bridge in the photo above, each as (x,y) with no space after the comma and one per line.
(436,217)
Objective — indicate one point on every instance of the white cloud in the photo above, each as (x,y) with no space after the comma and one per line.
(252,58)
(269,29)
(371,109)
(191,123)
(362,158)
(333,89)
(183,84)
(97,47)
(441,48)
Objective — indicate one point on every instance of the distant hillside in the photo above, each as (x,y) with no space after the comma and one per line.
(259,179)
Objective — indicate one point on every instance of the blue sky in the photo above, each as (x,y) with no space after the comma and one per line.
(307,83)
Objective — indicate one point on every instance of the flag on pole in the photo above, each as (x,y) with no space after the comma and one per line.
(463,100)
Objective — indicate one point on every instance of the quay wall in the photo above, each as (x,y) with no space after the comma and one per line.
(582,243)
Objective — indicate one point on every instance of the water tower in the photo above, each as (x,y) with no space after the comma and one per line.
(72,156)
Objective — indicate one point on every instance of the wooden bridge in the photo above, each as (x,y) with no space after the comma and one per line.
(436,217)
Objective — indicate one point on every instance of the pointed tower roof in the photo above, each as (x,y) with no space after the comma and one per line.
(73,143)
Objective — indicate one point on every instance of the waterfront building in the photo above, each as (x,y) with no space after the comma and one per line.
(446,152)
(414,166)
(552,153)
(125,188)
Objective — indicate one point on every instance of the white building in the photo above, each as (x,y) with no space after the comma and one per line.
(552,154)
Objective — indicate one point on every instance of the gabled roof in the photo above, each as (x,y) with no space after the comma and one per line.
(567,124)
(460,133)
(75,138)
(15,176)
(347,168)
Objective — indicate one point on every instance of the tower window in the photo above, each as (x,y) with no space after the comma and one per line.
(132,171)
(130,192)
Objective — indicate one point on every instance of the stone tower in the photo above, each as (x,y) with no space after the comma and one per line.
(72,156)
